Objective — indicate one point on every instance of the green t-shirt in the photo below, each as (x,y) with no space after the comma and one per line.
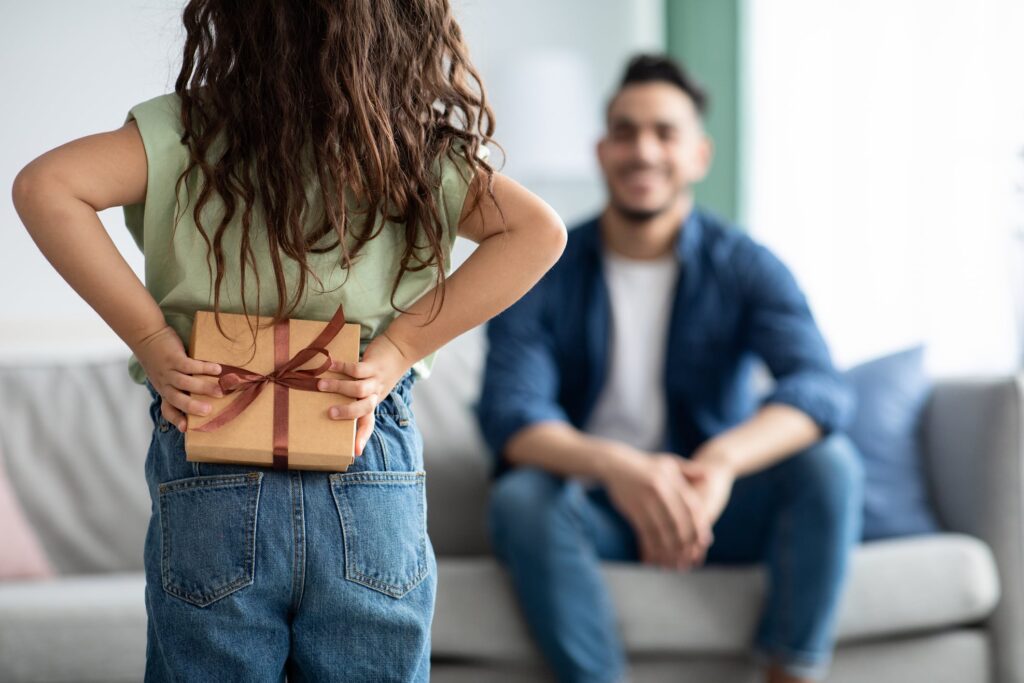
(181,281)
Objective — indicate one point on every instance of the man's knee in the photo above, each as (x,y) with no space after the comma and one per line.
(831,473)
(525,505)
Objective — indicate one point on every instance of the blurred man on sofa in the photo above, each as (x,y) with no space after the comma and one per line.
(618,401)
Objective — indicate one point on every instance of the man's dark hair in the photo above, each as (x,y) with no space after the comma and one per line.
(648,68)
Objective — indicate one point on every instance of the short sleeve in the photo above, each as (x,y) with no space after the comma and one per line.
(456,177)
(159,123)
(134,214)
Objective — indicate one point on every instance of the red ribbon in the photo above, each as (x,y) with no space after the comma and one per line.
(248,384)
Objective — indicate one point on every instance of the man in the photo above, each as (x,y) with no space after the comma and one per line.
(617,398)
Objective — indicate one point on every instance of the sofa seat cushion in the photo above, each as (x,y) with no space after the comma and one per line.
(896,587)
(75,438)
(62,629)
(75,628)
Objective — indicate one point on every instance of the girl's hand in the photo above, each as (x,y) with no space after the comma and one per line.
(175,376)
(372,379)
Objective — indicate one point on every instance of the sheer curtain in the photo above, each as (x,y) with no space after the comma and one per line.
(883,163)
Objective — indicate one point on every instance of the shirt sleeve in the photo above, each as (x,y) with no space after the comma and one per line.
(456,175)
(521,376)
(160,128)
(134,214)
(780,328)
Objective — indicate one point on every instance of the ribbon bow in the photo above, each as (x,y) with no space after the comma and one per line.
(248,383)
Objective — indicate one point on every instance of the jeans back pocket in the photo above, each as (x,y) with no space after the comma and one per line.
(208,525)
(384,525)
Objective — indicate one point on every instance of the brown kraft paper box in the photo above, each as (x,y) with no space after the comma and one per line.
(314,440)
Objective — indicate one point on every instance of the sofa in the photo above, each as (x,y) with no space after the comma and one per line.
(947,607)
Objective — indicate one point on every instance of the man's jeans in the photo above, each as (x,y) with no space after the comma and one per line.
(254,573)
(801,517)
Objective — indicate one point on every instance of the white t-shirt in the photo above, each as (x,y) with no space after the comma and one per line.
(631,406)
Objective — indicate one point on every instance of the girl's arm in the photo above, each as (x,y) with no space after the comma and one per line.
(57,197)
(519,236)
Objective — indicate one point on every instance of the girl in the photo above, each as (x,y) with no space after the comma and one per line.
(332,150)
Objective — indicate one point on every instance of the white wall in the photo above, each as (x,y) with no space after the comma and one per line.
(75,67)
(68,68)
(549,68)
(884,141)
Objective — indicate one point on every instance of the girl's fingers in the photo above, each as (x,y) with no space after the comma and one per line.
(355,388)
(173,415)
(191,366)
(186,403)
(353,410)
(206,386)
(356,370)
(364,427)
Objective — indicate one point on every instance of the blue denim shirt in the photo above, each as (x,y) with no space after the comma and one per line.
(734,302)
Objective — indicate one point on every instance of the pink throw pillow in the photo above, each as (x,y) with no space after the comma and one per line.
(21,555)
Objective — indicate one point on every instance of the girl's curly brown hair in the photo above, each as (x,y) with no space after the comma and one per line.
(356,97)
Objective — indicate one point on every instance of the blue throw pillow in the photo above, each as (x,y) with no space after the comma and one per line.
(891,395)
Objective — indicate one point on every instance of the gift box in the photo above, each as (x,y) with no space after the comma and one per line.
(271,413)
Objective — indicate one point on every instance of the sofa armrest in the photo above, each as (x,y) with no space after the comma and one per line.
(973,436)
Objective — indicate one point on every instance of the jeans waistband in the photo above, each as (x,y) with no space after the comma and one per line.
(400,408)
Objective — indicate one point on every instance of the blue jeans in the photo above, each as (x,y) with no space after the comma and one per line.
(801,517)
(253,573)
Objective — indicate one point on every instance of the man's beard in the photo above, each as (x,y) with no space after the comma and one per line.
(641,215)
(638,216)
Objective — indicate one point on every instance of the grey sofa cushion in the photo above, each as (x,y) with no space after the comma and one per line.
(77,628)
(93,628)
(955,656)
(74,438)
(896,588)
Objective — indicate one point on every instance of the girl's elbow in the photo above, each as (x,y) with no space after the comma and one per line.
(24,188)
(555,234)
(39,187)
(32,183)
